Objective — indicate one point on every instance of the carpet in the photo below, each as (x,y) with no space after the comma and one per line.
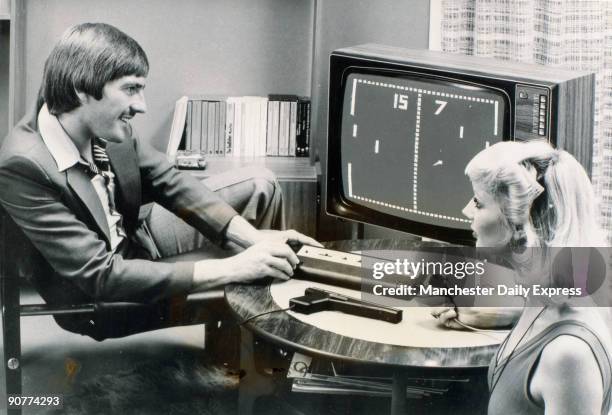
(183,386)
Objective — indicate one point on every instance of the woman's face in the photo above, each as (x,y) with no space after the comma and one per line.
(489,225)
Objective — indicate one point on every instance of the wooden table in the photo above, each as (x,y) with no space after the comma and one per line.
(288,332)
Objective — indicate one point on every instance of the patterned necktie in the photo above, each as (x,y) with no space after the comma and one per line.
(101,164)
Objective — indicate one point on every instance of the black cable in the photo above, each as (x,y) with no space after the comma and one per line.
(263,314)
(498,356)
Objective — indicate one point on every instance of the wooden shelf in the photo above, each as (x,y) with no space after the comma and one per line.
(294,169)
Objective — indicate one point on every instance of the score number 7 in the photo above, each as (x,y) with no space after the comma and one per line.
(401,102)
(441,106)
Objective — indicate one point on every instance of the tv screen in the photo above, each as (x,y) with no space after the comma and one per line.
(403,124)
(406,139)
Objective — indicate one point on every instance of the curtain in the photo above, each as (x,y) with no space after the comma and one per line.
(569,34)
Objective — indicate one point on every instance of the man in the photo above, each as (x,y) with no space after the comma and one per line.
(73,177)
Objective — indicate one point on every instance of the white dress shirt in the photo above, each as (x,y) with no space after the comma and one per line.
(66,155)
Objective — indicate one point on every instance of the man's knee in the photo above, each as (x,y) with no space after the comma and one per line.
(254,192)
(265,180)
(265,207)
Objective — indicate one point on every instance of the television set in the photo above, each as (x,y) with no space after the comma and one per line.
(404,123)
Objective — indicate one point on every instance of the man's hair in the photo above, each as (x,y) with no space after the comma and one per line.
(86,57)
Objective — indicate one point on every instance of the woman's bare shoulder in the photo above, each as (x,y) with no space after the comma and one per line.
(567,378)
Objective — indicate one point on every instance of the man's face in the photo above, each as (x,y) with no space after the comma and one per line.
(109,117)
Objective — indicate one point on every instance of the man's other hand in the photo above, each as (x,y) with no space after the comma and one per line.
(287,236)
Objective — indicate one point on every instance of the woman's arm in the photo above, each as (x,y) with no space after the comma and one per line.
(567,379)
(477,317)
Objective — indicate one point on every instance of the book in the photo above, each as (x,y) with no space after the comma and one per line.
(272,130)
(196,126)
(210,132)
(210,127)
(249,133)
(299,126)
(307,129)
(263,126)
(284,123)
(238,124)
(253,128)
(292,128)
(229,127)
(283,128)
(221,131)
(301,149)
(177,129)
(203,146)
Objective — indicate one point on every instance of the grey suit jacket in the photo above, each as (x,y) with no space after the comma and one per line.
(61,215)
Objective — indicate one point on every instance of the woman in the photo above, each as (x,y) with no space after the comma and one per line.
(556,360)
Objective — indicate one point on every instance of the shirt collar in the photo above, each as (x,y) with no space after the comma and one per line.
(61,147)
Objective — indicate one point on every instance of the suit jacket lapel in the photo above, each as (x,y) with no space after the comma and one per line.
(124,162)
(80,182)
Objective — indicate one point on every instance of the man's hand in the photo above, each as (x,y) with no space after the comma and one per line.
(287,236)
(243,234)
(267,254)
(271,257)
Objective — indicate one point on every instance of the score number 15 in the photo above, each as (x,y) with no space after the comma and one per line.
(400,102)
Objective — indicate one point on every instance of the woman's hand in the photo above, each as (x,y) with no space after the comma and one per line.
(447,317)
(477,317)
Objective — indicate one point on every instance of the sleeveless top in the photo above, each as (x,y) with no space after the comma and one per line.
(511,393)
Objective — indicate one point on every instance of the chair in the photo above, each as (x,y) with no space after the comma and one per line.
(13,244)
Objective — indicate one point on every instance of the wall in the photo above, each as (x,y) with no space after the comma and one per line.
(4,75)
(341,23)
(233,47)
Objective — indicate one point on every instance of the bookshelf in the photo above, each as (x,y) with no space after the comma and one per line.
(235,132)
(285,168)
(297,178)
(241,126)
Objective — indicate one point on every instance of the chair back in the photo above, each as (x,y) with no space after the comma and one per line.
(10,340)
(22,264)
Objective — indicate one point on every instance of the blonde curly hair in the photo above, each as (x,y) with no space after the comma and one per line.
(544,193)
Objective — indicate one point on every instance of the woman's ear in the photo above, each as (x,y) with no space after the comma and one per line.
(519,236)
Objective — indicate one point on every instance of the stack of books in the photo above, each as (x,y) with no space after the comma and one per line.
(241,126)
